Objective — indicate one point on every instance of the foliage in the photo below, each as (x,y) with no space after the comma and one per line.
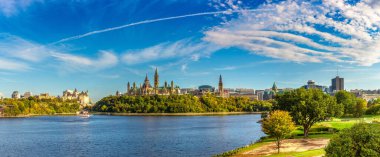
(360,140)
(307,106)
(32,105)
(360,107)
(374,109)
(352,105)
(279,124)
(179,104)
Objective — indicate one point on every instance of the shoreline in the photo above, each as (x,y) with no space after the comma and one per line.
(175,114)
(39,115)
(138,114)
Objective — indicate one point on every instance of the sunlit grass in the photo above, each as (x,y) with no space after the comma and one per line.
(309,153)
(325,130)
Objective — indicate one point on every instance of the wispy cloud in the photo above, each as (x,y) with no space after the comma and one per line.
(226,68)
(105,59)
(12,65)
(307,31)
(24,53)
(16,47)
(13,7)
(168,50)
(150,21)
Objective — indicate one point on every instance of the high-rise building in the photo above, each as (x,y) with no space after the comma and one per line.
(337,84)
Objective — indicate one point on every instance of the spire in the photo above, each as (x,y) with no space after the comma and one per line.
(128,87)
(274,87)
(156,81)
(146,77)
(220,88)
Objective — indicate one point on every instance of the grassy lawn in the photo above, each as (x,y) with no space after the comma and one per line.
(309,153)
(325,129)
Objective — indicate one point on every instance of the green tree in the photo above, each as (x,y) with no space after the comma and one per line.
(279,124)
(334,109)
(360,108)
(307,107)
(359,141)
(348,100)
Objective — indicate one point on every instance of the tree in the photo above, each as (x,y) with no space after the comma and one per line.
(360,108)
(334,109)
(278,125)
(360,140)
(348,100)
(306,106)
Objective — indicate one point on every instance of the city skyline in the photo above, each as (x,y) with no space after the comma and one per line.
(48,46)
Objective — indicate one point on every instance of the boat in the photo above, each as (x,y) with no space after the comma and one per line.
(84,114)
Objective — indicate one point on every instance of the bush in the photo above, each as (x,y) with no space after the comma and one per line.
(360,140)
(375,109)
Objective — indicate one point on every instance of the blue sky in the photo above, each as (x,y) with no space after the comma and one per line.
(52,45)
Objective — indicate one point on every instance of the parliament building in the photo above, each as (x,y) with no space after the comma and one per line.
(147,89)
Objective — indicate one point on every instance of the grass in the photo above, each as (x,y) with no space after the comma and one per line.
(243,149)
(310,153)
(325,129)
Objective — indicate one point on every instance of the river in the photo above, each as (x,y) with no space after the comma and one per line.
(126,135)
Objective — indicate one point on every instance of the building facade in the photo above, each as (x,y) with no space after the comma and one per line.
(82,97)
(337,84)
(16,95)
(312,85)
(147,89)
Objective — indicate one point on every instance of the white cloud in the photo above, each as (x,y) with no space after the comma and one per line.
(13,7)
(226,68)
(180,49)
(307,31)
(12,65)
(24,53)
(183,68)
(16,47)
(105,59)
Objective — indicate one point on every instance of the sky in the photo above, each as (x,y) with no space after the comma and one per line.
(54,45)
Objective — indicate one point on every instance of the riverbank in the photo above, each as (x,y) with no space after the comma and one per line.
(175,114)
(138,114)
(295,146)
(36,115)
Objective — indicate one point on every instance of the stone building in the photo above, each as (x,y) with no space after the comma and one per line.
(147,89)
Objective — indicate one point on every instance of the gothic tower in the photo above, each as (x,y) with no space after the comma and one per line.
(221,90)
(172,87)
(165,88)
(156,80)
(146,86)
(128,88)
(134,88)
(274,88)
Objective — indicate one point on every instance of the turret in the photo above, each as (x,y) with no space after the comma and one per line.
(274,87)
(128,88)
(171,87)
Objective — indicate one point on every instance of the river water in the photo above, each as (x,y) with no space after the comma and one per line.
(126,135)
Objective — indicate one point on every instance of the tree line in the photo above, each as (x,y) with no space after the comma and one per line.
(32,105)
(179,104)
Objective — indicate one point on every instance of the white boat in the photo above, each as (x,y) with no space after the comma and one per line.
(84,114)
